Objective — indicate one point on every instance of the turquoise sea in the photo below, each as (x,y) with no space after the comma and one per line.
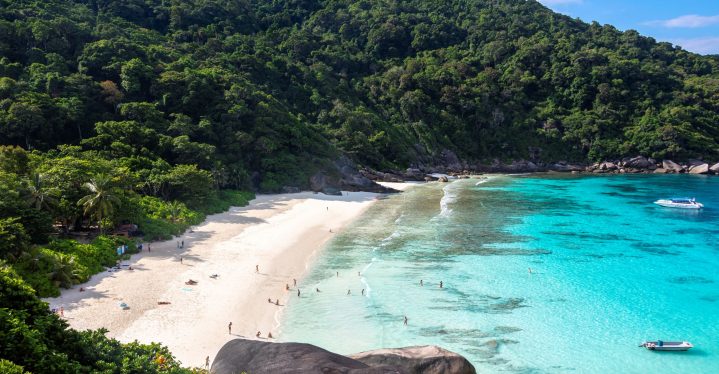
(609,270)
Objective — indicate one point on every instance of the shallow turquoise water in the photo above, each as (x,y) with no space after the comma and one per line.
(609,270)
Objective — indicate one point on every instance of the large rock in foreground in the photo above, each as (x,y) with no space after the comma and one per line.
(258,357)
(426,359)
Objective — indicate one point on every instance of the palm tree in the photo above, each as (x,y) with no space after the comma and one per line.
(101,202)
(174,209)
(64,271)
(40,196)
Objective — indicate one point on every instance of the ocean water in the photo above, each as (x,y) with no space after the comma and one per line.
(609,270)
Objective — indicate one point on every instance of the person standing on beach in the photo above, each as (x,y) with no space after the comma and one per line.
(363,292)
(257,268)
(287,287)
(229,328)
(294,281)
(183,244)
(298,292)
(148,248)
(405,320)
(180,259)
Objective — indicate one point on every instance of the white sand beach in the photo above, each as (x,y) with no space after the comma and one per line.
(279,233)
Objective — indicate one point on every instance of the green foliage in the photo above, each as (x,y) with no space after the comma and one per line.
(35,339)
(64,263)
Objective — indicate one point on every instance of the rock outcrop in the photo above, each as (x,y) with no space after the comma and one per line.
(639,162)
(425,360)
(344,177)
(672,166)
(715,168)
(699,169)
(258,357)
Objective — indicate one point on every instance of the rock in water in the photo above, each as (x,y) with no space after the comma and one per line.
(258,357)
(671,166)
(425,360)
(700,169)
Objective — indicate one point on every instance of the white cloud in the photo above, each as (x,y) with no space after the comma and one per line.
(705,46)
(560,2)
(687,21)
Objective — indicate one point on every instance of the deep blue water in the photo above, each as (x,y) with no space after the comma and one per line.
(609,270)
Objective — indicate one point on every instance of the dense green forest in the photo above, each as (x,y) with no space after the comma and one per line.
(157,112)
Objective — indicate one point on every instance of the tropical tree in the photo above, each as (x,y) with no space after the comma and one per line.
(64,272)
(40,196)
(101,201)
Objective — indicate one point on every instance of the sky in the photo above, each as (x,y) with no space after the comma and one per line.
(691,24)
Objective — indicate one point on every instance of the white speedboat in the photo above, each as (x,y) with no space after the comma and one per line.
(667,346)
(682,202)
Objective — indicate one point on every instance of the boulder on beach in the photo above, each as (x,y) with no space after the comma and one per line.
(639,162)
(607,166)
(699,169)
(425,359)
(672,166)
(258,357)
(660,171)
(715,168)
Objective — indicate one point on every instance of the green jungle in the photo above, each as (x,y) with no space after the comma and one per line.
(155,113)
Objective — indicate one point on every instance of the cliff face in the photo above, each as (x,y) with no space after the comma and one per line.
(258,357)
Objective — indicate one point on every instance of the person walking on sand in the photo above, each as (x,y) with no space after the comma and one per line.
(294,281)
(180,259)
(258,334)
(229,328)
(287,287)
(257,268)
(269,335)
(298,292)
(363,292)
(149,249)
(182,244)
(207,363)
(277,302)
(405,320)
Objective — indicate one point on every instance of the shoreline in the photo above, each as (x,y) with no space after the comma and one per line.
(282,234)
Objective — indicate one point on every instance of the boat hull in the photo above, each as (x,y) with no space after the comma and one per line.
(667,346)
(670,204)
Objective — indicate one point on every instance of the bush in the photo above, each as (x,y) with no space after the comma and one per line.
(64,263)
(33,338)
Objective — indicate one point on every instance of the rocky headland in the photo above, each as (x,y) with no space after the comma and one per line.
(450,164)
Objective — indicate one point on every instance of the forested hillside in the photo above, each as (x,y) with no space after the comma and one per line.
(258,92)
